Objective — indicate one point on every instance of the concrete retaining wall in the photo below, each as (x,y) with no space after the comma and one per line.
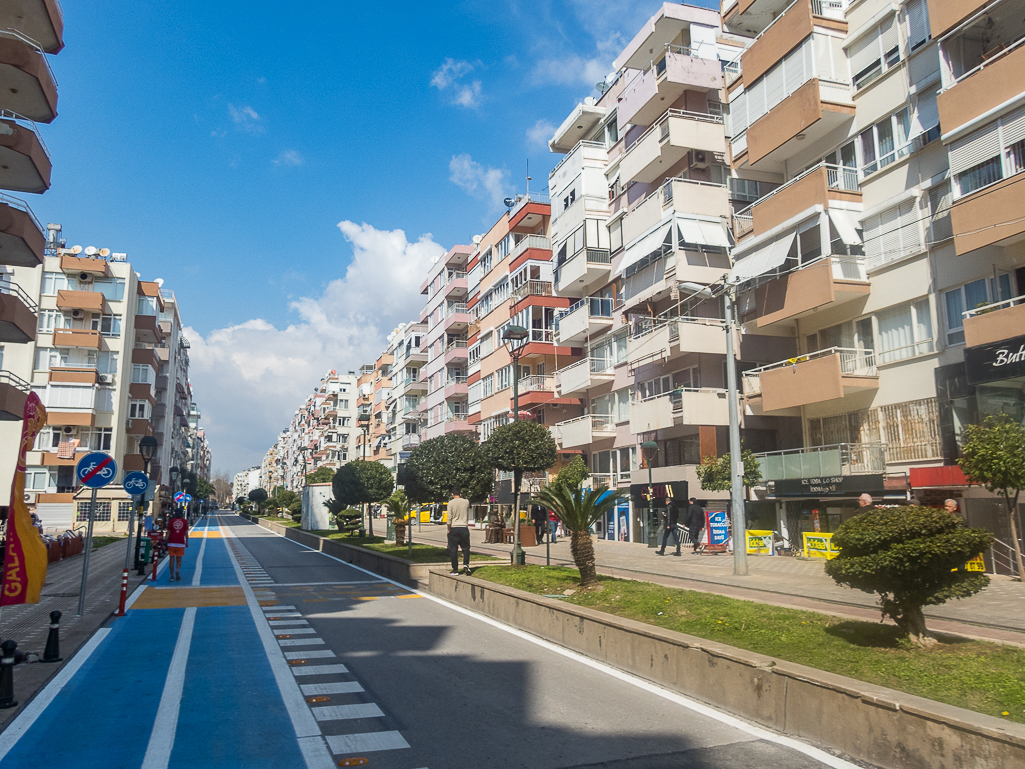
(398,569)
(870,723)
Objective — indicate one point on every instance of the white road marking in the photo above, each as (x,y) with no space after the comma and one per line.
(275,622)
(315,752)
(165,725)
(278,607)
(344,744)
(339,687)
(313,654)
(294,630)
(301,642)
(312,584)
(199,563)
(10,736)
(348,712)
(318,670)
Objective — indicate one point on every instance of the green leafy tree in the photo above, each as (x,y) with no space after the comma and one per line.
(714,473)
(573,474)
(259,496)
(321,475)
(579,510)
(519,447)
(361,483)
(204,489)
(993,455)
(435,466)
(347,519)
(912,557)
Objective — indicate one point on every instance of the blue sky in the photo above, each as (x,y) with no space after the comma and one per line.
(291,170)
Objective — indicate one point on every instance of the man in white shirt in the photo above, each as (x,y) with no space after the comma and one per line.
(459,530)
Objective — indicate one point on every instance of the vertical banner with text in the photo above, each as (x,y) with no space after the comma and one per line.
(25,554)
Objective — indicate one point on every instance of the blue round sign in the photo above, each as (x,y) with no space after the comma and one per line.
(188,497)
(96,470)
(136,483)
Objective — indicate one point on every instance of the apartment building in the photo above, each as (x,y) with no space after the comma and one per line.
(445,373)
(173,393)
(402,404)
(245,481)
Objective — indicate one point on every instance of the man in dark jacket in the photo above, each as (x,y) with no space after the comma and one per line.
(540,518)
(695,521)
(670,519)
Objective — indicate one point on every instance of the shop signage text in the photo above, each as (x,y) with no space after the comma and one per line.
(830,486)
(995,361)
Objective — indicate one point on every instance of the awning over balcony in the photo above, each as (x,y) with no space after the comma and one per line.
(646,245)
(768,257)
(845,225)
(701,232)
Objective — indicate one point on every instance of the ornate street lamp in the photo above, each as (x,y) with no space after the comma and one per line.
(646,449)
(515,337)
(148,448)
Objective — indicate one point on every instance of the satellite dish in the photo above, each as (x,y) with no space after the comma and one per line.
(159,282)
(91,250)
(76,249)
(602,87)
(477,239)
(509,202)
(104,252)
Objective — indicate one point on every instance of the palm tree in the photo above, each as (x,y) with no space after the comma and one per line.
(398,506)
(579,510)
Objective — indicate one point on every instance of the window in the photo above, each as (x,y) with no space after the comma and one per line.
(904,332)
(885,142)
(108,325)
(56,281)
(50,320)
(49,357)
(146,305)
(487,386)
(875,52)
(939,213)
(916,14)
(99,438)
(106,362)
(616,235)
(113,290)
(653,387)
(892,234)
(485,262)
(569,199)
(66,396)
(971,296)
(105,399)
(102,511)
(504,377)
(142,373)
(124,510)
(48,439)
(40,479)
(992,153)
(138,409)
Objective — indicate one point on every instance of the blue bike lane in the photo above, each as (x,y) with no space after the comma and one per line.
(185,679)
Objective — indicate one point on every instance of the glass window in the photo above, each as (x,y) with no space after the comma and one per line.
(108,325)
(56,281)
(957,301)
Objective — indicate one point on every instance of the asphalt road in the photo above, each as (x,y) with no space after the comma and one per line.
(402,680)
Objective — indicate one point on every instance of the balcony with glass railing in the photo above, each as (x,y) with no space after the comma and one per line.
(835,460)
(816,377)
(589,317)
(577,378)
(586,429)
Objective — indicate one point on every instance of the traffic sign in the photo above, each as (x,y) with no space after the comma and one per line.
(96,469)
(188,497)
(136,483)
(179,497)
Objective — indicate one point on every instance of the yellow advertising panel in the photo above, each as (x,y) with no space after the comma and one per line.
(818,545)
(976,564)
(759,542)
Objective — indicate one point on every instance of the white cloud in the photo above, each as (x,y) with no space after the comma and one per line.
(480,181)
(539,134)
(246,118)
(572,70)
(249,378)
(450,76)
(288,158)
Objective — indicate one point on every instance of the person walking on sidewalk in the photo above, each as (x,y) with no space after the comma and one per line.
(695,522)
(670,519)
(459,531)
(539,516)
(177,541)
(553,526)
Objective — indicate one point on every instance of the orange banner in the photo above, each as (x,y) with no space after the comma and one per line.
(25,554)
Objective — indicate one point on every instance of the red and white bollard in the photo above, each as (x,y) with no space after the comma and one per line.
(155,562)
(124,594)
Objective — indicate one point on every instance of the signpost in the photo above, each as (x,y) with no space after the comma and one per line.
(136,484)
(95,470)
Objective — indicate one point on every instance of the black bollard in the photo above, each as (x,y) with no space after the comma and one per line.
(52,653)
(7,674)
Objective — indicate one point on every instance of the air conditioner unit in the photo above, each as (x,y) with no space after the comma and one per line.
(30,497)
(106,379)
(78,314)
(698,159)
(85,277)
(68,429)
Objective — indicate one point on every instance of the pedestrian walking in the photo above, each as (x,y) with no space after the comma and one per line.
(459,531)
(553,526)
(539,517)
(177,541)
(865,503)
(695,521)
(670,520)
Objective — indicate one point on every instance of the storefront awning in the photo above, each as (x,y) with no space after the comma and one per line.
(768,257)
(698,232)
(846,227)
(649,244)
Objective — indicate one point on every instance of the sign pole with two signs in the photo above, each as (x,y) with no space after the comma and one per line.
(95,470)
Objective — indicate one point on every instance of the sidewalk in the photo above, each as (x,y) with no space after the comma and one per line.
(997,613)
(29,624)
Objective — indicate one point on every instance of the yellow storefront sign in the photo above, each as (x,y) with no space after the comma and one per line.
(759,542)
(817,545)
(976,564)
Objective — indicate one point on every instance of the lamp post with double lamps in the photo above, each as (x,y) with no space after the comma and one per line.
(148,448)
(516,337)
(646,449)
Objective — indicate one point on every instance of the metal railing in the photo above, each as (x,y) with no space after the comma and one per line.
(542,334)
(599,422)
(458,379)
(458,416)
(993,58)
(456,344)
(21,205)
(537,383)
(12,288)
(455,274)
(528,197)
(667,188)
(595,366)
(11,33)
(663,123)
(454,308)
(993,306)
(1002,557)
(830,9)
(15,381)
(731,70)
(410,441)
(598,256)
(530,241)
(837,178)
(28,125)
(823,461)
(853,362)
(532,288)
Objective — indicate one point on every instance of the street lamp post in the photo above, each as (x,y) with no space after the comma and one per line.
(148,449)
(363,419)
(303,451)
(646,448)
(515,337)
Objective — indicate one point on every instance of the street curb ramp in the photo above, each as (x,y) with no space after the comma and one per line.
(867,722)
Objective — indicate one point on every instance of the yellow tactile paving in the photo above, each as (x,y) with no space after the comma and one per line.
(207,534)
(184,597)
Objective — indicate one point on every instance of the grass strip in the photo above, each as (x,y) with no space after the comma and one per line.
(421,553)
(103,541)
(984,677)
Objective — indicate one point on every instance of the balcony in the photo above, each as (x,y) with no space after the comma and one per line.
(89,301)
(586,270)
(21,235)
(13,393)
(689,197)
(944,15)
(458,422)
(147,330)
(991,215)
(786,31)
(26,80)
(531,288)
(995,322)
(529,211)
(588,317)
(539,244)
(751,17)
(818,186)
(668,141)
(138,427)
(821,376)
(146,356)
(832,461)
(579,377)
(77,337)
(457,317)
(580,124)
(75,265)
(410,441)
(456,286)
(688,406)
(142,391)
(823,283)
(17,314)
(676,70)
(584,430)
(75,374)
(24,160)
(42,21)
(697,335)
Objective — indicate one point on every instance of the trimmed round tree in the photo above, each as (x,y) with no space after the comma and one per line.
(912,557)
(259,496)
(579,510)
(573,474)
(320,475)
(435,466)
(520,447)
(361,483)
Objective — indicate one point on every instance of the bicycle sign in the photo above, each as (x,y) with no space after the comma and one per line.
(136,483)
(96,470)
(188,498)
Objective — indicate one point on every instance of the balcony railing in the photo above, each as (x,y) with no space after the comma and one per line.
(823,461)
(993,306)
(455,380)
(458,416)
(455,274)
(530,197)
(537,383)
(601,423)
(532,288)
(840,178)
(410,441)
(578,148)
(28,125)
(21,205)
(731,70)
(853,362)
(13,289)
(542,334)
(667,188)
(6,377)
(454,308)
(662,124)
(530,241)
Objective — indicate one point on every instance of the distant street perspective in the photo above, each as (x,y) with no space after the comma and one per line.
(584,386)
